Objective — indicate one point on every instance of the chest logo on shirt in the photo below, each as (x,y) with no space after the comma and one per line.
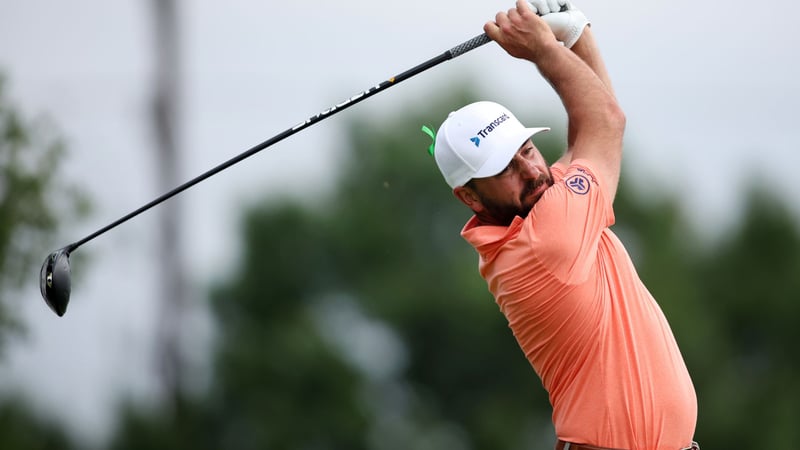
(578,184)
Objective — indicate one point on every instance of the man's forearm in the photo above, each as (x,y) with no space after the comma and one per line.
(583,91)
(586,48)
(596,122)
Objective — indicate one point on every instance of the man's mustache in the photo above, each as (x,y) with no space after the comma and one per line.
(533,185)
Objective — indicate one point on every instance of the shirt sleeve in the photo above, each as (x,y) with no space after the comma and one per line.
(566,224)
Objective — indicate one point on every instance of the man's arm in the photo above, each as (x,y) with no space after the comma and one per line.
(596,121)
(587,50)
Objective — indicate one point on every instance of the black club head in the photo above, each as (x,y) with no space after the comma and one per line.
(56,282)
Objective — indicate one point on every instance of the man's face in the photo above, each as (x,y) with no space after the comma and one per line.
(512,192)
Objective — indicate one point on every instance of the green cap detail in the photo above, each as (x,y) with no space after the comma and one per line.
(427,130)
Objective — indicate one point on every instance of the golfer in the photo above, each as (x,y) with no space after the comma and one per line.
(589,327)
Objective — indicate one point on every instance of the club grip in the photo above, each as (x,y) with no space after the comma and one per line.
(471,44)
(479,40)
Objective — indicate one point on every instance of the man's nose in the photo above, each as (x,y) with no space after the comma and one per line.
(528,169)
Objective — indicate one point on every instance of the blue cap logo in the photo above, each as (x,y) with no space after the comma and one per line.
(477,141)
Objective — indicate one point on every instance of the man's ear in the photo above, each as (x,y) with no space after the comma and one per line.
(469,197)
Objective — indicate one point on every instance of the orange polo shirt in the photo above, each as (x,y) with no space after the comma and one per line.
(589,327)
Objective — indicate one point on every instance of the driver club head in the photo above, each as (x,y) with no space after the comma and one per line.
(56,282)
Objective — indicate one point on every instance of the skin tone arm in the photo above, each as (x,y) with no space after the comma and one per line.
(596,122)
(587,50)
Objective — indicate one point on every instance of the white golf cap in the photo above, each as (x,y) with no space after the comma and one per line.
(478,141)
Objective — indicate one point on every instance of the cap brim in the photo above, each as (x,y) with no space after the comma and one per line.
(500,159)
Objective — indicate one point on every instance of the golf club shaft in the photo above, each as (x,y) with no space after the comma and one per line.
(454,52)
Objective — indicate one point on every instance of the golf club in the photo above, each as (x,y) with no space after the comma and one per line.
(55,279)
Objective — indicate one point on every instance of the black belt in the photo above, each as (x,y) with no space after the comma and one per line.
(561,445)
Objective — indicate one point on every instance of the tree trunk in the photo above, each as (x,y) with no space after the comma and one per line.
(171,271)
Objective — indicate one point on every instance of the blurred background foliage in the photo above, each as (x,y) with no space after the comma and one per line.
(358,320)
(33,196)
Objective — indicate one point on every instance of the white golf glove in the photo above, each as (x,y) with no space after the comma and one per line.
(568,25)
(543,7)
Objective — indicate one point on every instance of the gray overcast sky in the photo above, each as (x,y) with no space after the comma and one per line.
(710,90)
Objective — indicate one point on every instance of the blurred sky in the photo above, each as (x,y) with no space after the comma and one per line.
(710,90)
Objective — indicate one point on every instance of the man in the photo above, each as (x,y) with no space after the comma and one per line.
(589,327)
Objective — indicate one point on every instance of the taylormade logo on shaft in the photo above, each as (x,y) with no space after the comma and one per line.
(484,133)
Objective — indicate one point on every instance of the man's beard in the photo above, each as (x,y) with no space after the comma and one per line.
(504,213)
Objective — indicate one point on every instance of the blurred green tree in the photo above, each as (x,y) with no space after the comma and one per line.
(750,287)
(21,429)
(359,320)
(32,197)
